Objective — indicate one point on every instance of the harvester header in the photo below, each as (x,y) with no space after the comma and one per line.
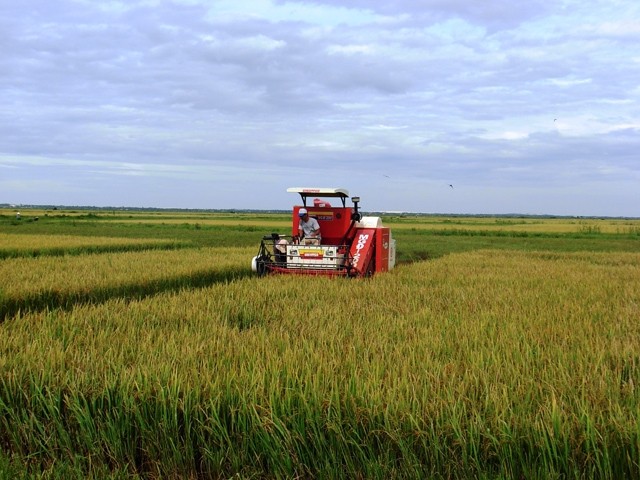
(327,240)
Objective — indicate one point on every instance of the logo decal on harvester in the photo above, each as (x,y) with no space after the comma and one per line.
(362,241)
(311,253)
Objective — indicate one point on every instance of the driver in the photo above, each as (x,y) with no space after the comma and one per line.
(308,228)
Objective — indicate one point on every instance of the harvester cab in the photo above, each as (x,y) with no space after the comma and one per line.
(351,245)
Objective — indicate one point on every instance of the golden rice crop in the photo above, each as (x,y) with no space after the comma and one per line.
(31,242)
(547,226)
(218,220)
(482,363)
(23,276)
(12,245)
(34,283)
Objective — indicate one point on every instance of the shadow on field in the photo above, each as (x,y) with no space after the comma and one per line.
(51,300)
(414,257)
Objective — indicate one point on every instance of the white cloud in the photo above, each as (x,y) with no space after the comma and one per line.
(568,82)
(304,12)
(627,28)
(350,49)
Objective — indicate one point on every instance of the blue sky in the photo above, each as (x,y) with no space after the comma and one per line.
(524,107)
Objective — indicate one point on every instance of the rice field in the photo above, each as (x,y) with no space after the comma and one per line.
(482,355)
(36,245)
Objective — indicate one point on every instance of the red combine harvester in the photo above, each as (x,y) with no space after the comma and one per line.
(350,245)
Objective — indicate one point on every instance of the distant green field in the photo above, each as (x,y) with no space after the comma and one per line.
(418,236)
(140,345)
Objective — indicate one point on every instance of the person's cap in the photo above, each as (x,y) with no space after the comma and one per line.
(302,212)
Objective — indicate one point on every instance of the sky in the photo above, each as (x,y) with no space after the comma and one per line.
(432,106)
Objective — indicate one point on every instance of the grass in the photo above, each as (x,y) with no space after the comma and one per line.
(500,356)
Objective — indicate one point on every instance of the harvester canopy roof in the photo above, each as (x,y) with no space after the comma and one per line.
(341,193)
(319,192)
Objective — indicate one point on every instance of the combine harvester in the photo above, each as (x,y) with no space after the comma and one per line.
(351,245)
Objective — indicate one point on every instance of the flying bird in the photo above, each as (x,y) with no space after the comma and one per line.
(451,185)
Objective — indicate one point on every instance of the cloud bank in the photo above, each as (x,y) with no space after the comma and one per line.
(196,104)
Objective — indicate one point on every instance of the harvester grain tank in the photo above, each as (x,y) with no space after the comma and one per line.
(350,245)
